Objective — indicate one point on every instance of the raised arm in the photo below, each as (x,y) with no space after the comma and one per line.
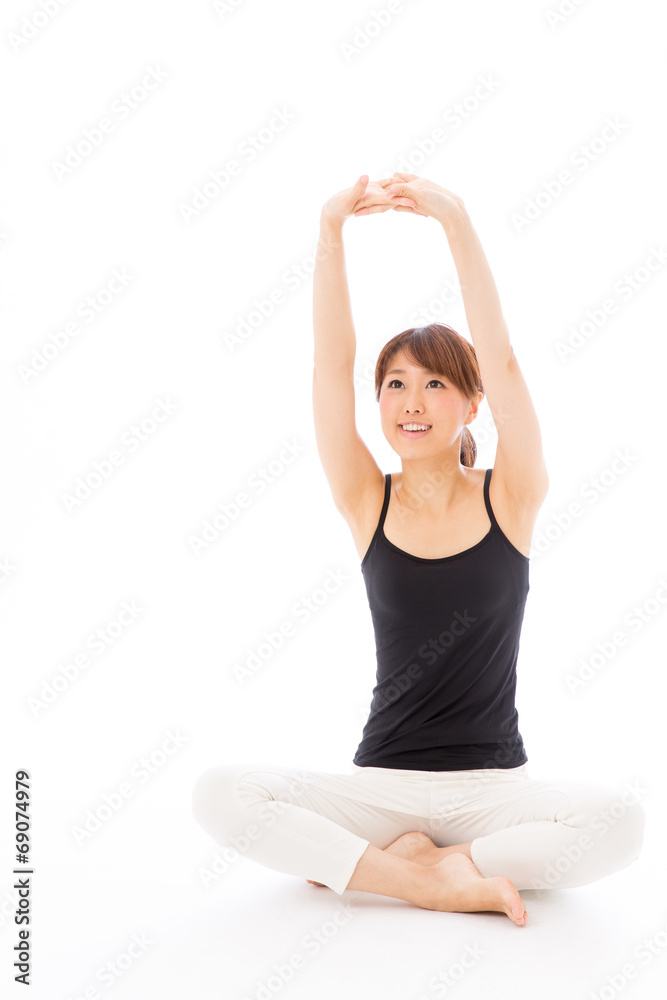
(348,464)
(519,459)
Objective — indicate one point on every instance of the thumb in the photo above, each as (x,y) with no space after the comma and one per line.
(363,181)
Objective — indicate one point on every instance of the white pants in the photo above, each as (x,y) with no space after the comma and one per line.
(316,825)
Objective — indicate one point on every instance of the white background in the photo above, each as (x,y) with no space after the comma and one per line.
(358,98)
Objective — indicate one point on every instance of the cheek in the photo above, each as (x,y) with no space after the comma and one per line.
(449,407)
(385,407)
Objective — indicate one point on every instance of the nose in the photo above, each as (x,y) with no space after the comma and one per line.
(415,407)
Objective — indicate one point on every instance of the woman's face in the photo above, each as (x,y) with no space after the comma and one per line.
(413,395)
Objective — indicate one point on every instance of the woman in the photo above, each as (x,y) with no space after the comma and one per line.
(439,809)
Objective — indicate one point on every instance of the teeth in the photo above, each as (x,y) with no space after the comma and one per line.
(415,427)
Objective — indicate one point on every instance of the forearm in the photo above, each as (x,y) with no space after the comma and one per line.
(335,340)
(481,302)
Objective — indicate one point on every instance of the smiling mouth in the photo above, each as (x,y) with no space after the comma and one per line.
(419,429)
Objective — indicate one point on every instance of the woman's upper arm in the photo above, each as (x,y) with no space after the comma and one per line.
(519,461)
(349,466)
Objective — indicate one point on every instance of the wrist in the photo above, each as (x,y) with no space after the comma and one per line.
(454,217)
(333,223)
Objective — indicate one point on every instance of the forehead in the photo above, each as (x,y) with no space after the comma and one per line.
(402,367)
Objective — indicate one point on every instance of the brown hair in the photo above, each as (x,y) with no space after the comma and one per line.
(444,351)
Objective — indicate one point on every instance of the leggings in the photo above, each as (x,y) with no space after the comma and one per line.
(316,825)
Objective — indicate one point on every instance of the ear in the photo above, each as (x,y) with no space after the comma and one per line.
(474,407)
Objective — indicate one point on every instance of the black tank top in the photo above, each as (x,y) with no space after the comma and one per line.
(447,639)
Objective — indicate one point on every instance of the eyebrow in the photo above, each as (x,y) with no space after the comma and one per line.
(401,371)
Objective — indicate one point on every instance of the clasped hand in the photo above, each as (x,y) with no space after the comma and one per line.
(401,193)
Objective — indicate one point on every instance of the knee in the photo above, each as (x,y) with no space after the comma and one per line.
(215,801)
(620,816)
(632,817)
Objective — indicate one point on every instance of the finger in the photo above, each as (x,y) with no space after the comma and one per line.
(406,177)
(407,208)
(370,198)
(403,206)
(397,190)
(402,201)
(371,209)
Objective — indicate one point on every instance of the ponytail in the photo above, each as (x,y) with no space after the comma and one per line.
(468,449)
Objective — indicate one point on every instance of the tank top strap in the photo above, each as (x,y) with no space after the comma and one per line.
(385,503)
(487,501)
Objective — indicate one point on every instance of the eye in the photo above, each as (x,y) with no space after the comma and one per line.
(397,380)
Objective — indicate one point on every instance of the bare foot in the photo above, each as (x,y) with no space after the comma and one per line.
(499,893)
(459,887)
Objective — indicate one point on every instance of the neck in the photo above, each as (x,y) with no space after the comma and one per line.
(432,483)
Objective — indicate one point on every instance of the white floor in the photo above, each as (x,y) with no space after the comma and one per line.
(255,934)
